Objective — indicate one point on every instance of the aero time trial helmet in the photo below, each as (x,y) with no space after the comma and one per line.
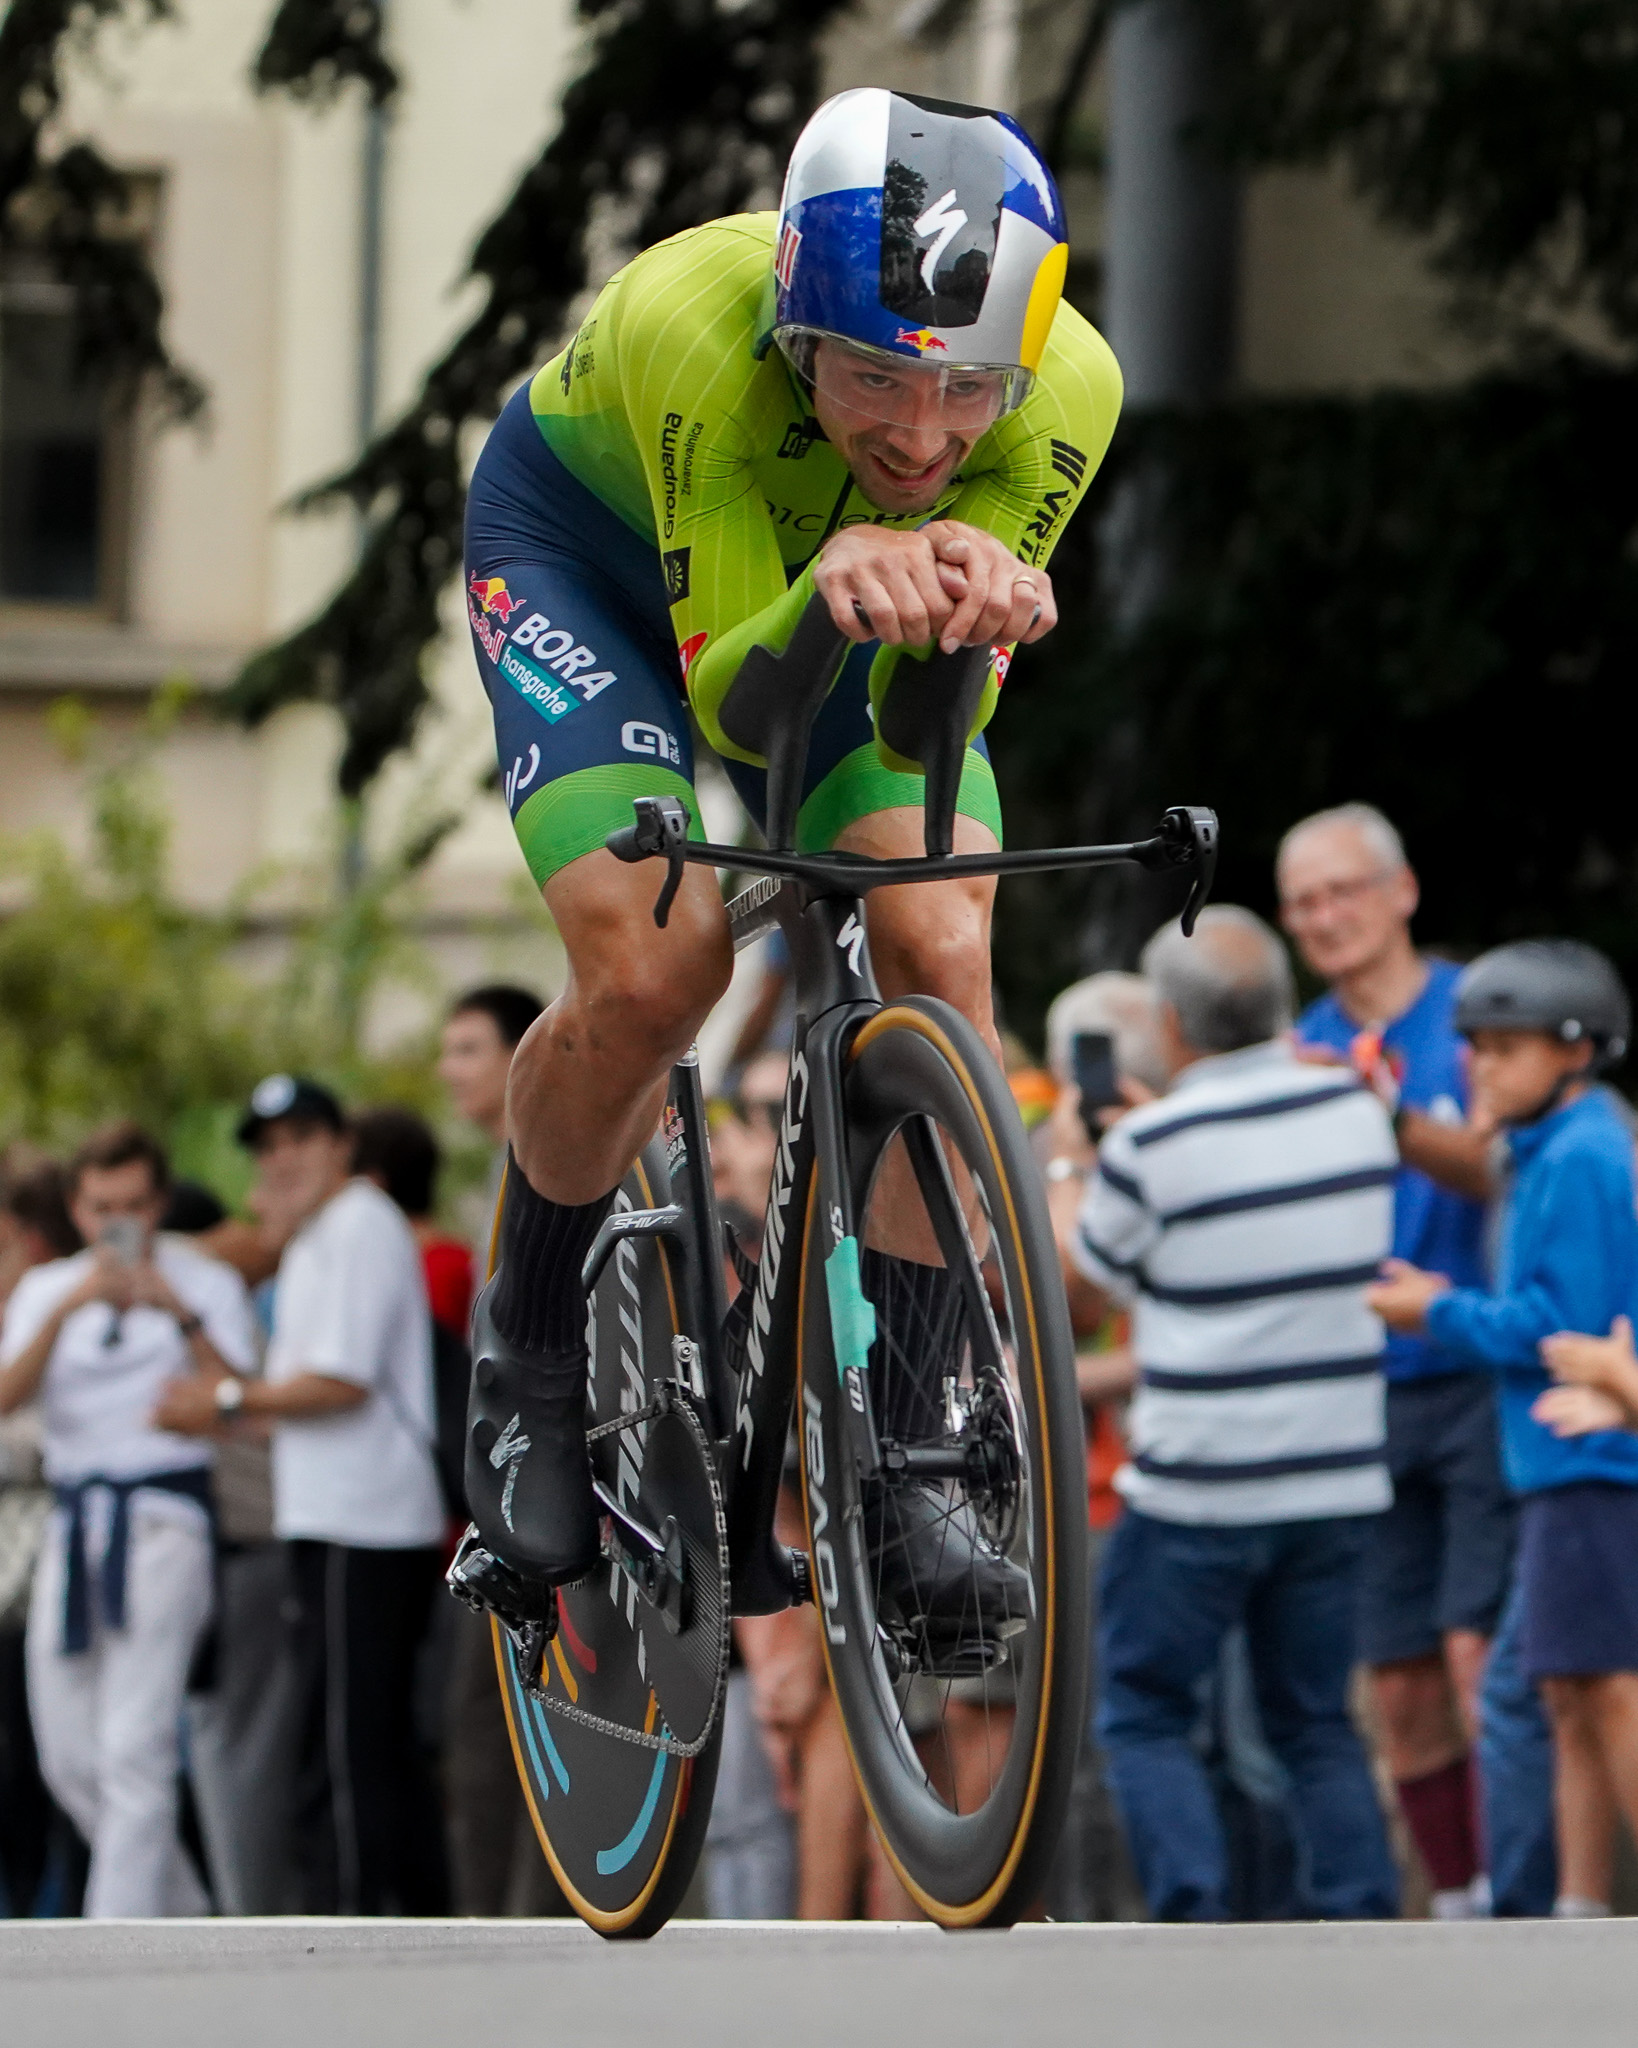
(927,237)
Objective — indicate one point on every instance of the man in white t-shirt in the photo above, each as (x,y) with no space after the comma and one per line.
(348,1387)
(123,1586)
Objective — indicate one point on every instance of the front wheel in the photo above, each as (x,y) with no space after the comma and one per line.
(953,1585)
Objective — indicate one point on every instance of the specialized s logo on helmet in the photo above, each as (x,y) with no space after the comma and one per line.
(923,228)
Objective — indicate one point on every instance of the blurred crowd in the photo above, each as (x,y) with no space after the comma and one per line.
(1353,1291)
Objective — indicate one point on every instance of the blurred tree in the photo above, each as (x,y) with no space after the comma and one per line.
(685,111)
(115,998)
(1425,599)
(71,210)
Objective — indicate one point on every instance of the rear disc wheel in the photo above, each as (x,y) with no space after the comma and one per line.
(622,1825)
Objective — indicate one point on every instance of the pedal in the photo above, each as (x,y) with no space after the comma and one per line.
(489,1586)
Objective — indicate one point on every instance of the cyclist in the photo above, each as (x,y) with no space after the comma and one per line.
(875,394)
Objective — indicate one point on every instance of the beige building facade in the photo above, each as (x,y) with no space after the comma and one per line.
(258,208)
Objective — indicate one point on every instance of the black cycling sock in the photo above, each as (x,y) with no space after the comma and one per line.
(539,1303)
(919,1312)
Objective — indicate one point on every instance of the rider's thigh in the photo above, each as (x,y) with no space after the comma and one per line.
(928,938)
(642,991)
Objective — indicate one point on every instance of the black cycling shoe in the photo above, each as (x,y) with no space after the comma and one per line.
(528,1476)
(946,1586)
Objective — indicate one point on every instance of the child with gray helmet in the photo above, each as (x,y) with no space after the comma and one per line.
(1544,1019)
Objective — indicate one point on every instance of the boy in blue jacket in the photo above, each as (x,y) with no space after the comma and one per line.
(1545,1018)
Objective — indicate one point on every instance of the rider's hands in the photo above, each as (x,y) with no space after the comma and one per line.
(949,581)
(893,577)
(998,598)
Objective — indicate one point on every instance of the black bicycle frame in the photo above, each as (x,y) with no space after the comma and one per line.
(818,901)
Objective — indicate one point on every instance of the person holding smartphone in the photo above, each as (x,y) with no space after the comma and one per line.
(122,1591)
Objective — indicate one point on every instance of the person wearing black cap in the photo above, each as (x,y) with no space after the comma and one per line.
(348,1388)
(1545,1018)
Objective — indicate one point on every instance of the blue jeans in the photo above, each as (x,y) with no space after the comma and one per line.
(1516,1773)
(1170,1593)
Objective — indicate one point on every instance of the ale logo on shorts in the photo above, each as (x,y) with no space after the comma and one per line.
(638,737)
(675,564)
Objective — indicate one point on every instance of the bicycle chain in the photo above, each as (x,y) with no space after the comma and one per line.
(671,1400)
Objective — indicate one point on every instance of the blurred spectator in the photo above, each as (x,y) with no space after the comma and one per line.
(766,1025)
(1437,1563)
(191,1209)
(397,1150)
(1092,1877)
(348,1388)
(34,1226)
(483,1030)
(34,1221)
(1121,1005)
(788,1830)
(776,1679)
(242,1698)
(1544,1017)
(744,1140)
(496,1866)
(1243,1214)
(123,1587)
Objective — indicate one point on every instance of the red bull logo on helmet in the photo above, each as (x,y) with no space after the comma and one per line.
(921,339)
(493,597)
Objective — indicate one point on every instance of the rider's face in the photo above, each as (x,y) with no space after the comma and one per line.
(895,430)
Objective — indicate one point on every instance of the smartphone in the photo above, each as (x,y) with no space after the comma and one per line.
(1093,1056)
(123,1238)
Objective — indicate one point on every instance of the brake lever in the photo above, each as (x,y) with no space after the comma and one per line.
(661,829)
(1196,832)
(1187,838)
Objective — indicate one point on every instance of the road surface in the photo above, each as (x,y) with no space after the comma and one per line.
(419,1984)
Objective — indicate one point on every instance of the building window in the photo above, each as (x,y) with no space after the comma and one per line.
(64,459)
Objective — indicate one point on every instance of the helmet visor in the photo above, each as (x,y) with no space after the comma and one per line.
(886,389)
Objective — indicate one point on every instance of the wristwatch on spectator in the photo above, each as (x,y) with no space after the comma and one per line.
(1064,1168)
(230,1395)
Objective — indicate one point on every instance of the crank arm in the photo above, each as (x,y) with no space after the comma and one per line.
(654,1560)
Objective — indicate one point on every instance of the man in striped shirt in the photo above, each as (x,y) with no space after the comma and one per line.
(1242,1216)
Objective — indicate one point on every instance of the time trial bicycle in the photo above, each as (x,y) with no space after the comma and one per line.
(907,1312)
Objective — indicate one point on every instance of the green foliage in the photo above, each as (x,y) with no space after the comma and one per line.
(1425,600)
(116,1000)
(1508,129)
(685,111)
(71,211)
(313,47)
